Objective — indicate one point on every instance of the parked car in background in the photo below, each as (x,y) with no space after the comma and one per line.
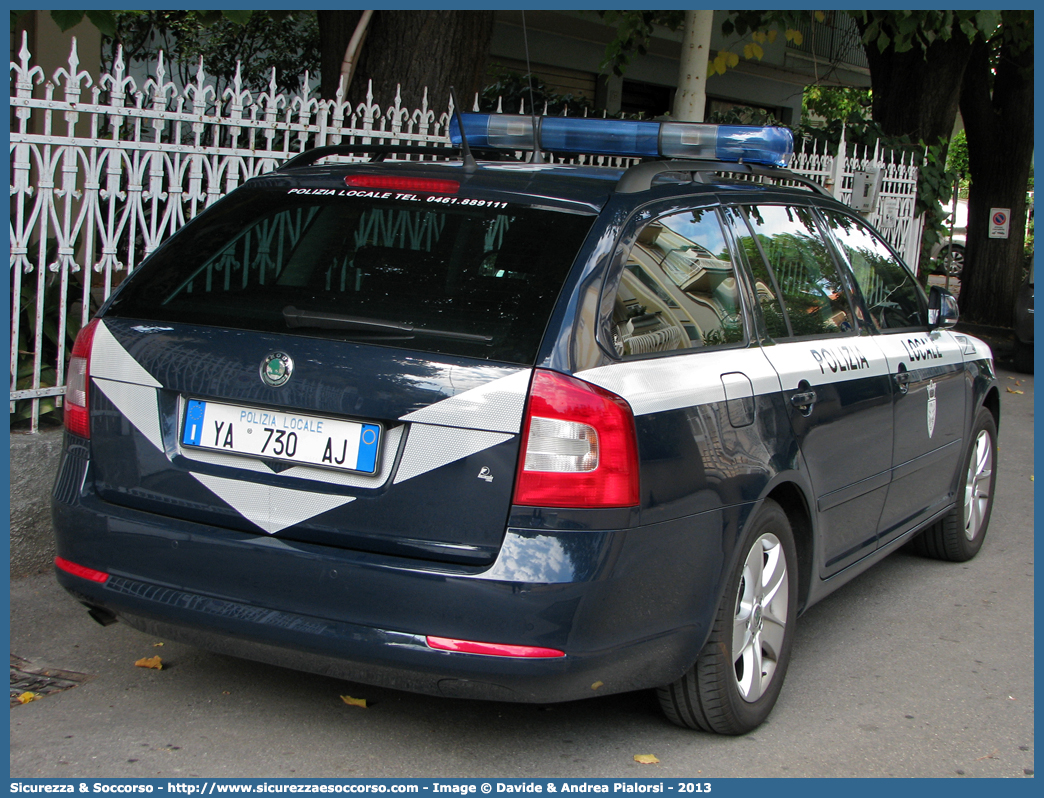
(1024,324)
(949,257)
(948,253)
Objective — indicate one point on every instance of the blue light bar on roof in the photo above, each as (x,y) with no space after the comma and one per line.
(771,146)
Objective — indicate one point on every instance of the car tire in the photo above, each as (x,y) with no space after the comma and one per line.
(951,260)
(737,677)
(1022,358)
(958,535)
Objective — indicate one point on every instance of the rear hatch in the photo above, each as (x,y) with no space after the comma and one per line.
(345,366)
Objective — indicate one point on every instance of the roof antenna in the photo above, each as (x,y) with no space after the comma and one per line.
(538,156)
(470,165)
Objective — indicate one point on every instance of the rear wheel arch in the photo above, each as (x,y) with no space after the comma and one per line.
(992,403)
(792,499)
(958,535)
(738,675)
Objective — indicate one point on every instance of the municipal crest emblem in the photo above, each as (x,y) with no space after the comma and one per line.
(931,409)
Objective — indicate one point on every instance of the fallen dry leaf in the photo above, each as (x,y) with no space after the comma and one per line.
(156,645)
(596,685)
(1012,390)
(150,662)
(354,702)
(646,759)
(28,696)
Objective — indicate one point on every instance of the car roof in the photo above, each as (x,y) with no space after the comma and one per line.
(575,187)
(566,186)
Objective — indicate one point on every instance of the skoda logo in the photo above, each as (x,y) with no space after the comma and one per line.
(276,369)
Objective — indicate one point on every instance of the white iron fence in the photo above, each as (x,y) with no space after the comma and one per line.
(102,173)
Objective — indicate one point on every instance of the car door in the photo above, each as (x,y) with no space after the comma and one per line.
(699,386)
(927,372)
(834,377)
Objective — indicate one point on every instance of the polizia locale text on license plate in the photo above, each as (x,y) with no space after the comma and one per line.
(277,435)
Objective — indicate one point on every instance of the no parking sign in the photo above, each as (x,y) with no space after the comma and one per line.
(1000,218)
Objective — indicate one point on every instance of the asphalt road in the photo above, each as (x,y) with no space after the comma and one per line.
(917,668)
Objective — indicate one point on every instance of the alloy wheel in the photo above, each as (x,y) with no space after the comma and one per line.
(759,626)
(977,485)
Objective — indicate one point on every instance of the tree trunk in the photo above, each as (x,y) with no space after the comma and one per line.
(999,127)
(916,93)
(412,50)
(690,102)
(335,31)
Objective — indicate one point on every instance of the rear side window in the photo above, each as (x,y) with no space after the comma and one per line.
(678,289)
(890,292)
(466,279)
(803,269)
(765,287)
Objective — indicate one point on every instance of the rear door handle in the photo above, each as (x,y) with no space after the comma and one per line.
(902,379)
(803,401)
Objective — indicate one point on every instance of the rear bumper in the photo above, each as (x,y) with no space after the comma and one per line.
(630,608)
(383,657)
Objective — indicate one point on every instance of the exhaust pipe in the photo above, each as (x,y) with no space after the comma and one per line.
(101,615)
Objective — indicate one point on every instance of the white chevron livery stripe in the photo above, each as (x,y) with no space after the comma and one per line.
(137,403)
(110,361)
(271,508)
(672,383)
(679,381)
(429,447)
(496,406)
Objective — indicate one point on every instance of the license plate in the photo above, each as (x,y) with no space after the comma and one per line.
(277,435)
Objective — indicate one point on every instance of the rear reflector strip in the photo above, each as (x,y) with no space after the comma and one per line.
(492,649)
(81,571)
(403,183)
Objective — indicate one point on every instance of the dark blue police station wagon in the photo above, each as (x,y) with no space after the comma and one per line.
(518,431)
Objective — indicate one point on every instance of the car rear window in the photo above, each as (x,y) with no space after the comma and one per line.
(474,278)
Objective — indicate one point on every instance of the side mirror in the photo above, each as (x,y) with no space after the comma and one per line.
(942,309)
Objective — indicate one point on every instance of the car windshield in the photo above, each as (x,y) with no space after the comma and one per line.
(468,277)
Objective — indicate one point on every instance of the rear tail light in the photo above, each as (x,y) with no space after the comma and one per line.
(579,447)
(77,383)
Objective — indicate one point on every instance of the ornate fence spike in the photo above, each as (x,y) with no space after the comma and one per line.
(24,73)
(119,86)
(239,99)
(159,89)
(305,105)
(73,78)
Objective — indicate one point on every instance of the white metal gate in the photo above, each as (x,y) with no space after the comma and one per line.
(894,213)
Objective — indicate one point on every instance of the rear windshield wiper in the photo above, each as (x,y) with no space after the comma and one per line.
(335,321)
